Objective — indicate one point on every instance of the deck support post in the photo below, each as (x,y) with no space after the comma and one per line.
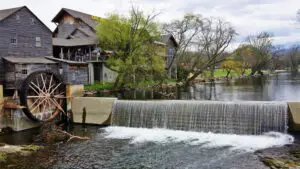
(90,52)
(1,97)
(69,54)
(62,53)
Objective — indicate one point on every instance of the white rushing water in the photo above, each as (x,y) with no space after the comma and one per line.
(248,143)
(243,117)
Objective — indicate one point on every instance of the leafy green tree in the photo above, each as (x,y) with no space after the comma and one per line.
(230,65)
(132,40)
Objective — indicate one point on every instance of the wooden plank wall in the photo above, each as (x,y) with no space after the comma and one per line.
(26,32)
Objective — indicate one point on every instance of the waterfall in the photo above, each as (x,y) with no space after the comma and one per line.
(203,116)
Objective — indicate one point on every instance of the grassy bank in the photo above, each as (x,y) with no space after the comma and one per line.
(109,85)
(219,73)
(222,73)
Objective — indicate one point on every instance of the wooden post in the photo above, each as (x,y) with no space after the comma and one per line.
(83,116)
(90,52)
(69,54)
(1,97)
(62,53)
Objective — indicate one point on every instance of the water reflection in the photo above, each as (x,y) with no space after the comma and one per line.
(277,87)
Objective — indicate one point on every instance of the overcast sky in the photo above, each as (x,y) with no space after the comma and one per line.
(247,16)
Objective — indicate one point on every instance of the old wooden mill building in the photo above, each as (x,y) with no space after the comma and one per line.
(35,62)
(72,47)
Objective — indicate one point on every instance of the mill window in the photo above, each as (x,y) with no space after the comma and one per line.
(38,42)
(33,21)
(24,70)
(13,40)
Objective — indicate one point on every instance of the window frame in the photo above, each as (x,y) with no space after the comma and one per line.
(13,40)
(38,40)
(33,21)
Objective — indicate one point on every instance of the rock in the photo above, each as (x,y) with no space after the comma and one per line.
(3,157)
(31,148)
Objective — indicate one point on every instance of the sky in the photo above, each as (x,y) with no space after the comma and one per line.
(248,17)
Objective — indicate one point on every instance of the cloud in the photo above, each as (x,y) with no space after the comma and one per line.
(247,16)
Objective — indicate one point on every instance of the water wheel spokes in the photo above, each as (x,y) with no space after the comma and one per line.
(43,96)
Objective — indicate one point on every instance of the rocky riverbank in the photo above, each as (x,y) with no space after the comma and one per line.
(10,154)
(287,157)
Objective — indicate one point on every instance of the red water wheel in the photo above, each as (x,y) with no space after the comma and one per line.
(43,96)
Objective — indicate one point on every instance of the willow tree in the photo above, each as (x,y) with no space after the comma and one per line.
(133,42)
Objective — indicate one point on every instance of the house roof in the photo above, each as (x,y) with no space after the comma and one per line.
(87,18)
(74,42)
(29,60)
(166,38)
(5,13)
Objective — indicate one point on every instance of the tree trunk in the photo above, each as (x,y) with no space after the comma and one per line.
(228,72)
(212,72)
(253,71)
(188,80)
(117,82)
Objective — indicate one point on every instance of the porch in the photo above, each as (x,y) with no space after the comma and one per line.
(78,50)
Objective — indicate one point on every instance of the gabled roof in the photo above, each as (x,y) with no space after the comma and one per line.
(87,18)
(5,13)
(166,38)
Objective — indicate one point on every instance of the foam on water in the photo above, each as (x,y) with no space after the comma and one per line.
(207,140)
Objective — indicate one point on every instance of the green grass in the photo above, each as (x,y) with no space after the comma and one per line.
(223,73)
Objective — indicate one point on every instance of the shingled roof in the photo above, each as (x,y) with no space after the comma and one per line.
(7,12)
(87,18)
(166,38)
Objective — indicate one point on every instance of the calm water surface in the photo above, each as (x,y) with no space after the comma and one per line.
(278,87)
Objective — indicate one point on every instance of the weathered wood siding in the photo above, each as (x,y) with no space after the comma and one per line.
(15,75)
(170,54)
(68,24)
(25,31)
(75,74)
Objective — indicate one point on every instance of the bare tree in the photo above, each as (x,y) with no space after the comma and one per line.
(293,57)
(202,43)
(261,48)
(214,38)
(277,61)
(185,32)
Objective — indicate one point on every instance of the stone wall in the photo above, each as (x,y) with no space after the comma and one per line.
(109,75)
